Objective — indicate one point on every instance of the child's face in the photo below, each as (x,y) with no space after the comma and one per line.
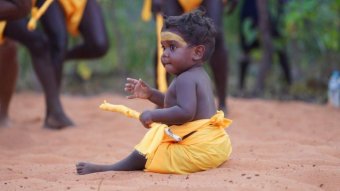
(177,55)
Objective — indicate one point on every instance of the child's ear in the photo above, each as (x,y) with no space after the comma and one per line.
(198,52)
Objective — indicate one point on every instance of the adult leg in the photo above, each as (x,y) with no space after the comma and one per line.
(169,8)
(53,22)
(219,59)
(283,60)
(93,31)
(243,68)
(134,161)
(38,47)
(14,9)
(8,74)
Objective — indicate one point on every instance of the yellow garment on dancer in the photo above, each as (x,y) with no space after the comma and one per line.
(2,30)
(74,10)
(189,5)
(208,147)
(36,13)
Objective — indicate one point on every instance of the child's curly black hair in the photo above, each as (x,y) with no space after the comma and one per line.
(195,28)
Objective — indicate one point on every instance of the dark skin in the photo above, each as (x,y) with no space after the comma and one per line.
(188,98)
(52,48)
(14,9)
(219,60)
(37,44)
(91,28)
(249,11)
(8,73)
(35,41)
(9,10)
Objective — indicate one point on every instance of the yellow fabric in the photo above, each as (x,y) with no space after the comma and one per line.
(173,36)
(120,109)
(189,5)
(146,10)
(36,13)
(161,73)
(73,10)
(2,30)
(207,148)
(155,134)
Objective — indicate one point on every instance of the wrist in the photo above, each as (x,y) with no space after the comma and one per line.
(150,94)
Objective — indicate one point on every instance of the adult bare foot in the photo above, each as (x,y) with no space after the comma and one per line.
(87,168)
(57,121)
(4,122)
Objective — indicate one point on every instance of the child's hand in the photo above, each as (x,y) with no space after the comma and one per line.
(137,88)
(146,119)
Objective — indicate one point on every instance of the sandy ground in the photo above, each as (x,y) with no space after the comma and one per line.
(276,146)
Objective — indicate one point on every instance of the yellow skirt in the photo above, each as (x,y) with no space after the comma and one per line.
(2,30)
(208,147)
(189,5)
(74,10)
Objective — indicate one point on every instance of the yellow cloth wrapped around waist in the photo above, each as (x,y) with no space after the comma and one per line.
(189,5)
(207,147)
(73,10)
(2,30)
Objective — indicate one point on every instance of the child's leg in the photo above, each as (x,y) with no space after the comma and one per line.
(134,161)
(93,31)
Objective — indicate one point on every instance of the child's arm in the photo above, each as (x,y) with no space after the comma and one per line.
(183,111)
(139,89)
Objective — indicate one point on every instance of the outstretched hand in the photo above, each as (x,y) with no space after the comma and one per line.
(137,89)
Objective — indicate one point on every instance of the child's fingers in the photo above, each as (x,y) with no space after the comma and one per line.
(142,83)
(131,80)
(131,96)
(130,86)
(128,90)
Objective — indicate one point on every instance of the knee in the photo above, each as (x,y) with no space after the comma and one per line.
(99,47)
(59,45)
(39,45)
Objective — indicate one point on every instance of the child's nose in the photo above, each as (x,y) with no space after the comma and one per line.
(165,52)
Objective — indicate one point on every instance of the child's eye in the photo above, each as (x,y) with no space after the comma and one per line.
(172,47)
(163,47)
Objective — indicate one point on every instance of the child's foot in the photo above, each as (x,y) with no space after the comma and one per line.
(57,121)
(87,168)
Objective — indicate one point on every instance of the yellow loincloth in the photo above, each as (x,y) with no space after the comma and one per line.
(73,10)
(189,5)
(36,14)
(2,30)
(207,148)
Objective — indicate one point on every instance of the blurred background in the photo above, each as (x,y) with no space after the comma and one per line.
(309,28)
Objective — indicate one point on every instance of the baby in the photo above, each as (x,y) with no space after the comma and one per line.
(188,107)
